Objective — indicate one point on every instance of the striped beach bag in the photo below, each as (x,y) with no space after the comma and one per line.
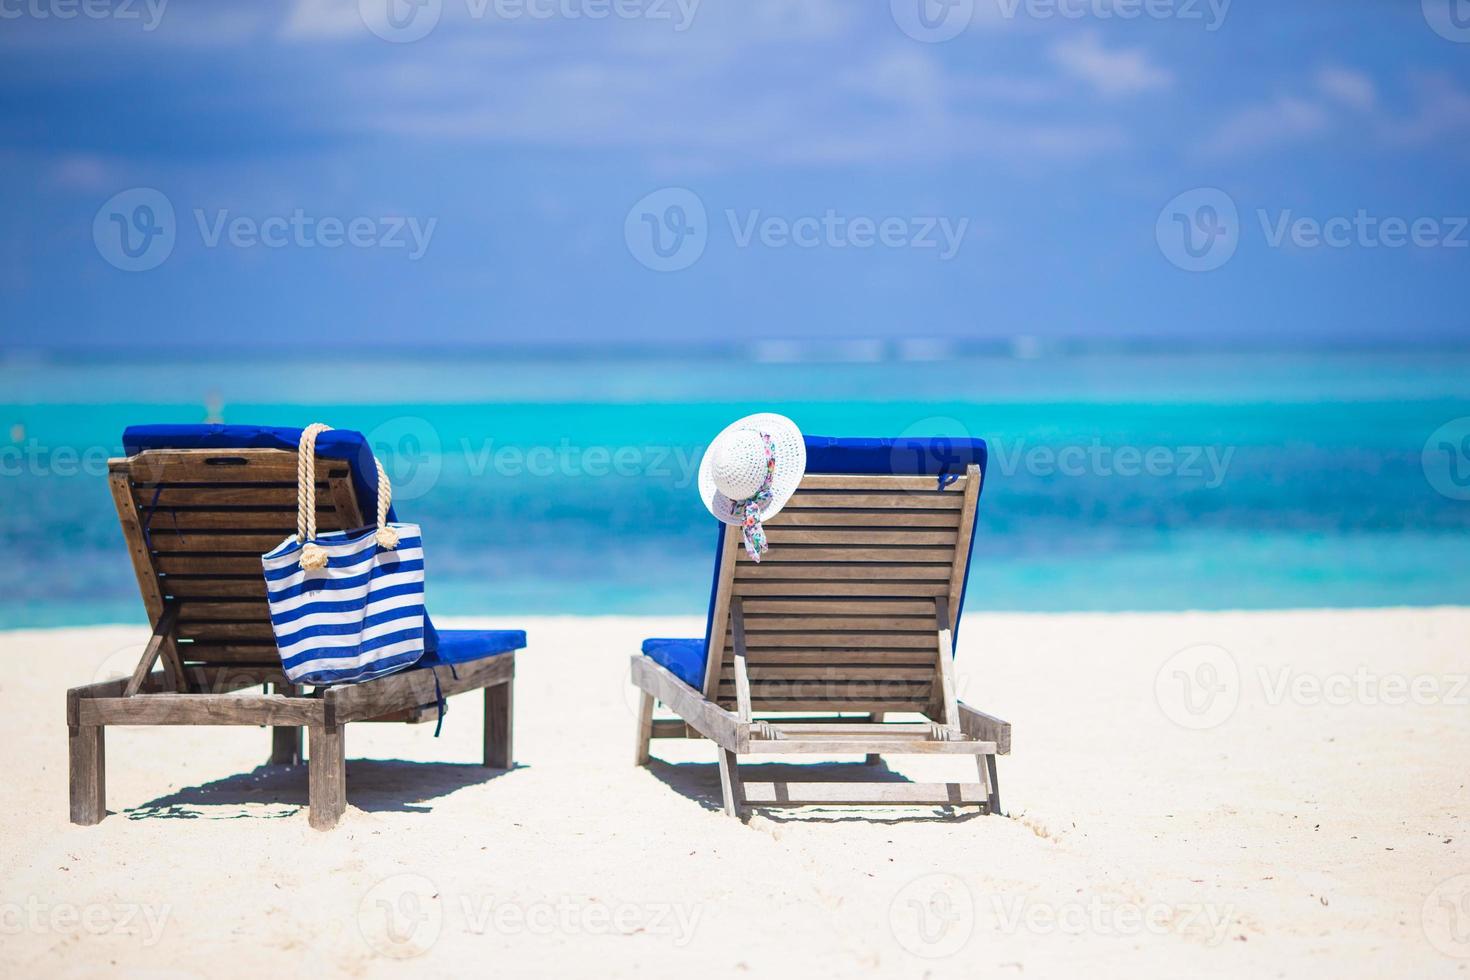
(347,605)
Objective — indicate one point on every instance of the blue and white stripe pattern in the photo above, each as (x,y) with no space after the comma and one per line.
(359,617)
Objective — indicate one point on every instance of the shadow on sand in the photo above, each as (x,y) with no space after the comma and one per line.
(375,785)
(700,782)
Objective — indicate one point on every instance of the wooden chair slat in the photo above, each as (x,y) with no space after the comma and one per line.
(877,501)
(790,553)
(830,589)
(880,519)
(862,536)
(885,482)
(835,571)
(840,640)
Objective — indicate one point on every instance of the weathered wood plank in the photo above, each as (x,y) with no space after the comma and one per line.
(979,725)
(889,518)
(730,784)
(242,588)
(703,714)
(170,496)
(646,728)
(208,564)
(875,481)
(499,707)
(162,633)
(841,639)
(875,501)
(200,709)
(835,705)
(829,589)
(835,657)
(255,544)
(862,745)
(898,574)
(223,611)
(87,774)
(369,699)
(724,588)
(851,606)
(962,543)
(326,776)
(851,622)
(280,521)
(809,553)
(862,536)
(776,794)
(819,672)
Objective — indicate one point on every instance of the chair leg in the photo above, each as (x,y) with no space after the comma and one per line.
(88,763)
(873,758)
(645,728)
(326,776)
(286,739)
(989,776)
(498,720)
(730,785)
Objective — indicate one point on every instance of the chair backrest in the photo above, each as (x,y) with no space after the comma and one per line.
(197,521)
(842,614)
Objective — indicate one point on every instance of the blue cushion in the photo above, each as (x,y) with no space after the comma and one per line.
(684,658)
(461,646)
(941,457)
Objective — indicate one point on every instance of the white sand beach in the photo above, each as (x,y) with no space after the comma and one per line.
(1305,814)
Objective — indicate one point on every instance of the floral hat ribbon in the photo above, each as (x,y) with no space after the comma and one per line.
(751,528)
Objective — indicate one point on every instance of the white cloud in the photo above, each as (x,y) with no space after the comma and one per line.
(1285,119)
(1348,86)
(321,20)
(1112,73)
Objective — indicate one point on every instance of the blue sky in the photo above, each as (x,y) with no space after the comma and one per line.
(703,171)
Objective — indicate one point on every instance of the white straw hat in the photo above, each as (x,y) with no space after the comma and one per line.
(734,466)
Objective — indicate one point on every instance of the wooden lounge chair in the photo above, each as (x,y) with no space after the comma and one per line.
(852,610)
(196,521)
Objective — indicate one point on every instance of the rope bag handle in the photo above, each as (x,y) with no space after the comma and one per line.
(314,555)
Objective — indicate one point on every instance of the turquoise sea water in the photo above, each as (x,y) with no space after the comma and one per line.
(1137,481)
